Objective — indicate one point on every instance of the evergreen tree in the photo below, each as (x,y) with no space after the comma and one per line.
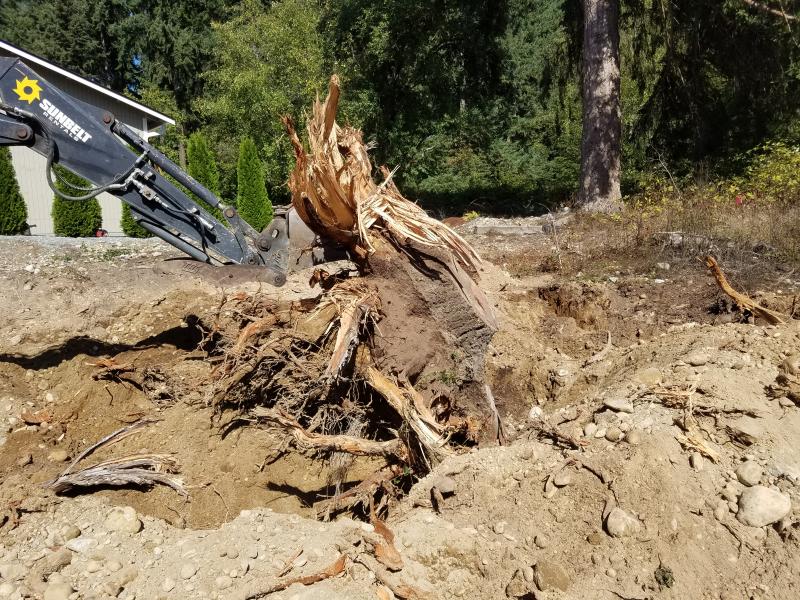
(13,212)
(74,218)
(253,202)
(130,226)
(203,168)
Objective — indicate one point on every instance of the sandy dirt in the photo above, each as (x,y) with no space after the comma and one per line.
(600,491)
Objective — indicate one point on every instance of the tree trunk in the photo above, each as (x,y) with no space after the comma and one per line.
(602,116)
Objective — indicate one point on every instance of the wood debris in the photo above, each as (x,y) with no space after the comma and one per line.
(744,303)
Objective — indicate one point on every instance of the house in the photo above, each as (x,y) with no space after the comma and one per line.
(30,166)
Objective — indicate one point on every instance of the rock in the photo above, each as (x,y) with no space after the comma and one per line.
(785,402)
(517,588)
(57,591)
(663,266)
(749,473)
(550,575)
(168,585)
(589,429)
(188,570)
(123,520)
(93,566)
(541,541)
(81,544)
(562,478)
(621,524)
(223,582)
(56,561)
(13,571)
(696,461)
(613,434)
(499,527)
(595,538)
(611,572)
(730,492)
(634,437)
(6,589)
(446,485)
(113,566)
(25,459)
(697,359)
(70,532)
(527,573)
(760,506)
(650,376)
(721,510)
(58,456)
(619,405)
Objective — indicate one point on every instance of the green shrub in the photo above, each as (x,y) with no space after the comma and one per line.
(253,201)
(13,212)
(203,168)
(74,218)
(130,226)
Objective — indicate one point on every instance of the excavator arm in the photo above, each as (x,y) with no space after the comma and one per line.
(92,143)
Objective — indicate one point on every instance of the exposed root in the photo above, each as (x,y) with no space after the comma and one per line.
(744,303)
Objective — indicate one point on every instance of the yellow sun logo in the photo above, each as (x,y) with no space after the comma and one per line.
(28,90)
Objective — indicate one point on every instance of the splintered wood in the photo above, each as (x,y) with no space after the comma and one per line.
(744,303)
(334,193)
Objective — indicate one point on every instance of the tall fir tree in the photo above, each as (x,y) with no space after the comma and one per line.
(253,202)
(74,218)
(13,212)
(203,167)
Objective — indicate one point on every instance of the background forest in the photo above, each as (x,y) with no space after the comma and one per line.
(477,101)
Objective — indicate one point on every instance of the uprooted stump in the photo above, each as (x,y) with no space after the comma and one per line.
(388,364)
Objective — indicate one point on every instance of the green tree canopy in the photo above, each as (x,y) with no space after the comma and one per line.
(252,200)
(74,218)
(13,212)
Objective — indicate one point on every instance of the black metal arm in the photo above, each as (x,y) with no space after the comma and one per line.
(90,142)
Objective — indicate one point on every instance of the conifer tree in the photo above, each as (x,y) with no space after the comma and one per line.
(74,218)
(13,212)
(253,202)
(203,168)
(130,226)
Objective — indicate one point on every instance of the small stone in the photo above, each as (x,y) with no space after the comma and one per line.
(517,588)
(535,413)
(785,402)
(600,433)
(589,429)
(6,589)
(541,541)
(634,437)
(58,456)
(123,520)
(594,538)
(56,561)
(663,266)
(550,575)
(223,582)
(12,571)
(619,405)
(70,532)
(93,566)
(650,376)
(730,492)
(445,485)
(760,506)
(81,544)
(57,591)
(168,584)
(188,570)
(232,553)
(614,434)
(25,459)
(611,572)
(500,527)
(749,473)
(721,510)
(621,524)
(697,359)
(113,566)
(696,461)
(562,478)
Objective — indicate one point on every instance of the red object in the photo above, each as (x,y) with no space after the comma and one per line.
(739,200)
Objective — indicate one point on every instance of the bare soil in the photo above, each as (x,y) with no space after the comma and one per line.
(249,512)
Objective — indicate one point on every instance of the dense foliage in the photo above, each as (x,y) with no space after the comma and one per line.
(74,218)
(203,168)
(130,226)
(477,101)
(252,200)
(13,212)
